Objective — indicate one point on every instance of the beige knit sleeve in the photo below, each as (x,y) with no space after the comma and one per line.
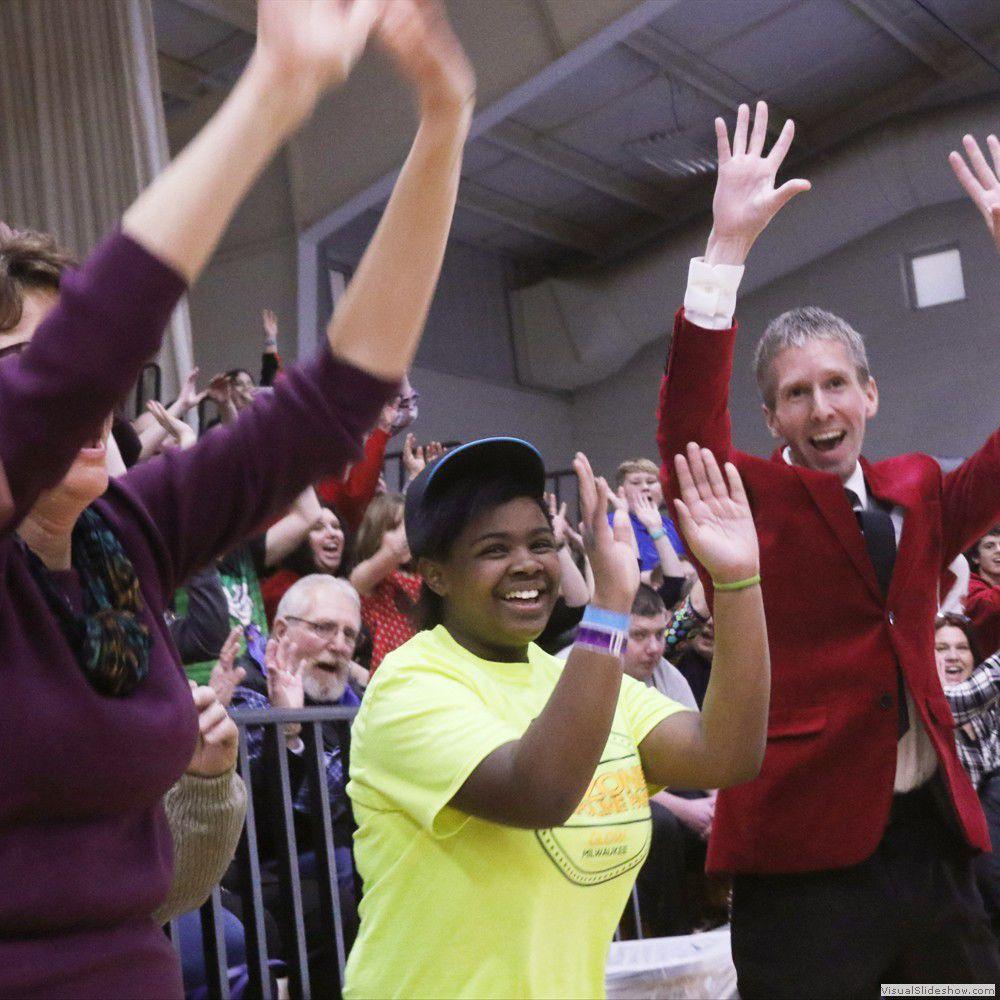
(206,817)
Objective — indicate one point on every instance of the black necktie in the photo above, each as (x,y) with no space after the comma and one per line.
(880,541)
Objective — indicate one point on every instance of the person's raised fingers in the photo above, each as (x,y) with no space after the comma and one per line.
(203,696)
(586,486)
(698,472)
(965,177)
(210,716)
(789,190)
(781,145)
(994,147)
(722,141)
(715,479)
(759,133)
(736,489)
(684,519)
(685,481)
(740,132)
(982,169)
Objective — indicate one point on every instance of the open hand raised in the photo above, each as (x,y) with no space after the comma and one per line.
(226,677)
(745,196)
(610,550)
(714,515)
(981,183)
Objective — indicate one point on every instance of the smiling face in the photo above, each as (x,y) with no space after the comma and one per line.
(988,551)
(821,408)
(323,641)
(87,478)
(954,655)
(500,580)
(326,542)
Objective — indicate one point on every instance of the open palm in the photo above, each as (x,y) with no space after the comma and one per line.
(745,196)
(980,182)
(715,516)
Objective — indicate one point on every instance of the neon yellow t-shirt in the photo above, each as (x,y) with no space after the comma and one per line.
(456,906)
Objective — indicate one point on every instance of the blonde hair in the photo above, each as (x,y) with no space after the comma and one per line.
(632,465)
(383,514)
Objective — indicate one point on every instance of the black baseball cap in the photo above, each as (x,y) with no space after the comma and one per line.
(514,459)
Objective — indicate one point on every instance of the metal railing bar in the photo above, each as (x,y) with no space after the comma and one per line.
(258,970)
(290,912)
(331,917)
(213,939)
(269,716)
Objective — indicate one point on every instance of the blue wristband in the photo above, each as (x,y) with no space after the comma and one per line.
(656,534)
(604,619)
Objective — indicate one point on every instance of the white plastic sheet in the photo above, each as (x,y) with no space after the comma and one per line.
(692,967)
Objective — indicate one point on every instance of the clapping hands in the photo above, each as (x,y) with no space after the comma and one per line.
(218,737)
(226,677)
(178,433)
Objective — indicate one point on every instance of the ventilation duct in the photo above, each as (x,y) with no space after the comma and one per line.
(574,331)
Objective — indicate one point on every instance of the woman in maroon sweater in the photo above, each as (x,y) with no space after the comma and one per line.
(96,722)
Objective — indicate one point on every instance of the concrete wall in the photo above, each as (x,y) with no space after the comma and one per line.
(937,368)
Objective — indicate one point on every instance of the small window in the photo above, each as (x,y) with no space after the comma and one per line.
(936,278)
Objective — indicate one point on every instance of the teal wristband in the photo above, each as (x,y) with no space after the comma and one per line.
(603,619)
(657,534)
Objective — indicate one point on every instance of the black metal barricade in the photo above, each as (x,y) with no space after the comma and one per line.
(149,386)
(275,782)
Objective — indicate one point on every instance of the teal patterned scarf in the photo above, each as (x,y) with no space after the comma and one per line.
(109,639)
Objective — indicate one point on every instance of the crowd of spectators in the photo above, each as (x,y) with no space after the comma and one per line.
(280,602)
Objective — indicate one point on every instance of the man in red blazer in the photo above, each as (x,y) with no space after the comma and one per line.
(851,851)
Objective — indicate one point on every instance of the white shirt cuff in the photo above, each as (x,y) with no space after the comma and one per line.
(710,299)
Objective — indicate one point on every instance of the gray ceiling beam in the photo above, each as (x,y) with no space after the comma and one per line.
(240,14)
(882,14)
(510,212)
(675,61)
(553,155)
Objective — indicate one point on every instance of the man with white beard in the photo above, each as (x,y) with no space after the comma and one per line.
(308,661)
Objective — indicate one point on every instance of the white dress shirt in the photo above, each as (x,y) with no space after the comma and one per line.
(710,302)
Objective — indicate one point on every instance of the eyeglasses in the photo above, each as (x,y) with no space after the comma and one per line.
(325,630)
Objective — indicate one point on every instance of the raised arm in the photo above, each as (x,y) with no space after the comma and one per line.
(379,319)
(313,422)
(54,397)
(538,780)
(970,498)
(724,744)
(976,695)
(694,394)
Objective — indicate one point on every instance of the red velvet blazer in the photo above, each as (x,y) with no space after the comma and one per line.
(822,798)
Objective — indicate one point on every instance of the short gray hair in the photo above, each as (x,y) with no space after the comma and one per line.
(300,596)
(796,328)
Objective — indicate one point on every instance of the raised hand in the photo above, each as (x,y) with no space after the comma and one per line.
(557,514)
(189,396)
(714,516)
(307,47)
(647,512)
(745,196)
(394,541)
(418,36)
(226,677)
(219,392)
(284,680)
(218,738)
(179,434)
(981,183)
(610,550)
(414,461)
(269,319)
(434,450)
